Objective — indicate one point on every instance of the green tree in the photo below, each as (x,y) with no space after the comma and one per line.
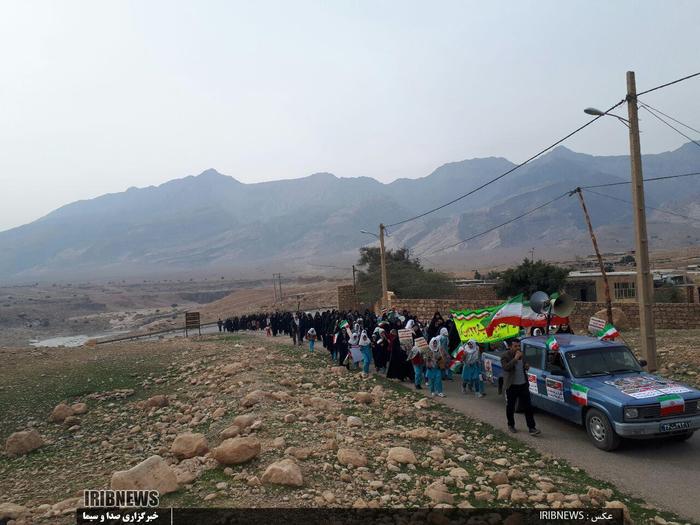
(529,277)
(406,277)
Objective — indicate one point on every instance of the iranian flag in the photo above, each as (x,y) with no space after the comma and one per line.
(579,394)
(517,312)
(671,404)
(609,332)
(552,344)
(345,325)
(510,313)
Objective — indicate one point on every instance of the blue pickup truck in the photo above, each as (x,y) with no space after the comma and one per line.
(602,385)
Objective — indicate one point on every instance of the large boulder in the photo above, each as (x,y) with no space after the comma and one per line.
(284,472)
(60,413)
(236,450)
(401,455)
(21,443)
(351,456)
(189,445)
(151,474)
(620,320)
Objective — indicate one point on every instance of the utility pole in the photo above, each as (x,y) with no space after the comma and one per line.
(385,293)
(608,302)
(644,278)
(279,276)
(274,285)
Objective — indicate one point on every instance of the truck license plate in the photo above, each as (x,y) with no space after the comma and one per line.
(677,425)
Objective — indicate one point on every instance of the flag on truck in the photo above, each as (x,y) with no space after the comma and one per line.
(609,332)
(579,394)
(517,312)
(671,404)
(552,344)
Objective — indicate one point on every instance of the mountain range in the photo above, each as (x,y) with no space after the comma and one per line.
(212,221)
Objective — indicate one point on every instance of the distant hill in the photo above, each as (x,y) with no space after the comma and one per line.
(213,221)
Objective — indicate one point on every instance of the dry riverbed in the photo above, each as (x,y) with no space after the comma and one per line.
(342,440)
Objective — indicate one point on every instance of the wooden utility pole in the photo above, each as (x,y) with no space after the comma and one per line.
(644,278)
(608,302)
(279,276)
(274,285)
(354,287)
(385,293)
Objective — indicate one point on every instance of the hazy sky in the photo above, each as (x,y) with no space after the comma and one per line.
(98,96)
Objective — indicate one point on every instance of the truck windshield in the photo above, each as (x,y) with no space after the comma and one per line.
(602,361)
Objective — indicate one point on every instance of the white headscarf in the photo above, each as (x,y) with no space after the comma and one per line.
(444,331)
(472,352)
(434,344)
(364,340)
(354,339)
(409,324)
(312,331)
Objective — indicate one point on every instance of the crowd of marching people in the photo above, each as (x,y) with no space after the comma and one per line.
(395,344)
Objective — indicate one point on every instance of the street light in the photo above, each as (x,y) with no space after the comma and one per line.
(645,296)
(598,113)
(385,293)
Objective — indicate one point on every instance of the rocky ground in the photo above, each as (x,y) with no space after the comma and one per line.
(677,352)
(247,421)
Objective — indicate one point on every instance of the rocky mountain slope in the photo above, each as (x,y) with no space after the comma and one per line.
(214,221)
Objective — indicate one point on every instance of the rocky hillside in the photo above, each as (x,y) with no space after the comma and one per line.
(245,421)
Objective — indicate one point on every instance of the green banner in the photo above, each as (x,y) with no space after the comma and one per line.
(469,325)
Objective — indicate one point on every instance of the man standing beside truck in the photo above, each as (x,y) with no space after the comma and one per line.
(515,383)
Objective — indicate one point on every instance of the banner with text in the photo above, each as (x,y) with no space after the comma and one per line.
(469,325)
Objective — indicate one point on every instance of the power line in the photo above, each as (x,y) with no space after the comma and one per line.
(511,170)
(648,207)
(668,116)
(668,84)
(644,107)
(533,210)
(651,179)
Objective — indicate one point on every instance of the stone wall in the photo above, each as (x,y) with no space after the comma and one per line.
(666,315)
(347,300)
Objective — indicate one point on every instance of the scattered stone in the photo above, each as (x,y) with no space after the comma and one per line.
(284,472)
(79,408)
(278,442)
(499,478)
(402,455)
(244,420)
(23,442)
(518,496)
(159,401)
(351,456)
(339,370)
(253,398)
(354,421)
(290,418)
(420,433)
(219,413)
(298,452)
(189,445)
(236,450)
(60,413)
(230,432)
(625,511)
(151,474)
(438,493)
(458,473)
(364,397)
(504,492)
(423,403)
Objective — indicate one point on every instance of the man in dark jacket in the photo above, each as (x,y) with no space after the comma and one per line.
(515,383)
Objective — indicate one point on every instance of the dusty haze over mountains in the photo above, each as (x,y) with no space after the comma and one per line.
(212,221)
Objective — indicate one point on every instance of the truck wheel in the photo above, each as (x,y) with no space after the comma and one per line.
(601,431)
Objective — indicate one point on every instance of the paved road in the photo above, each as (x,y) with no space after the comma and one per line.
(663,473)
